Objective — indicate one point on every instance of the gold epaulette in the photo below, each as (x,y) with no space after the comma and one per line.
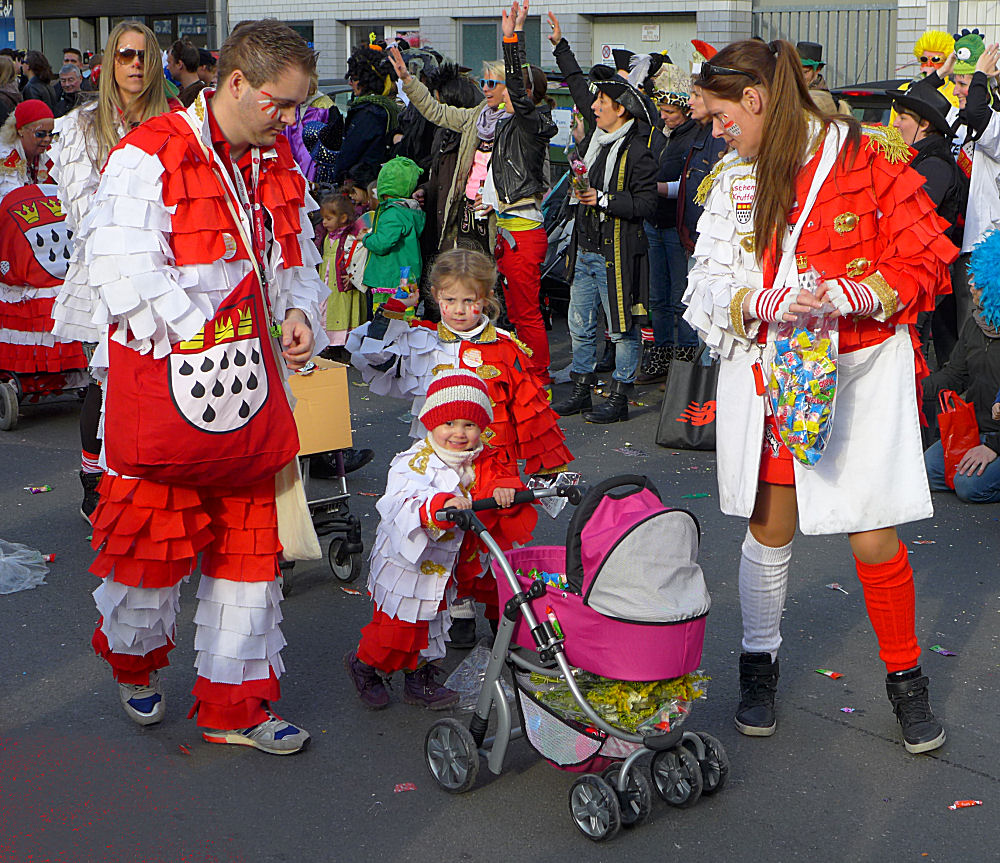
(527,351)
(887,141)
(705,186)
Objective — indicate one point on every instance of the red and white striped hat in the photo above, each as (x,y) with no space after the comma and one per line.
(456,395)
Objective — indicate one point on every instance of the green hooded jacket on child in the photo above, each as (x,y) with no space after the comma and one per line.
(394,240)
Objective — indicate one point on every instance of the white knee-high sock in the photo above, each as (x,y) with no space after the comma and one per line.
(763,582)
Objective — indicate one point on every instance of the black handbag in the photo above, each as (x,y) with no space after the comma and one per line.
(687,415)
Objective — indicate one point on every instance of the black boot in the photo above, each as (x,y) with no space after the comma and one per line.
(607,362)
(91,498)
(758,683)
(579,399)
(655,364)
(615,409)
(907,691)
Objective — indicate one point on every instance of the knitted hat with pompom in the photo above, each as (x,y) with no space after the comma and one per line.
(456,395)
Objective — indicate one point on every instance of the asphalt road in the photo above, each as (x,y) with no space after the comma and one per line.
(79,782)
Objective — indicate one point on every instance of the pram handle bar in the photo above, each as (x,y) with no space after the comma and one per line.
(572,492)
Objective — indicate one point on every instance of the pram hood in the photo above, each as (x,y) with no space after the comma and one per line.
(634,559)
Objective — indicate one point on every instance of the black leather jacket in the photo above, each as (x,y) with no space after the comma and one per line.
(522,138)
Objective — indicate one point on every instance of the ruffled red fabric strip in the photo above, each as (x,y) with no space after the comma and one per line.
(125,667)
(32,359)
(147,534)
(32,315)
(227,706)
(392,645)
(245,530)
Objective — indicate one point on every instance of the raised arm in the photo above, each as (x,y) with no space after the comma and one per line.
(575,79)
(445,116)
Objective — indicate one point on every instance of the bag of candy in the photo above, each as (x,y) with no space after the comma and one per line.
(803,384)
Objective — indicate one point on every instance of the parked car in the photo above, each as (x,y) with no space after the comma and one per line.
(869,102)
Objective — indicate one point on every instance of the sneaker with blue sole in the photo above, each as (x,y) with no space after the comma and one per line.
(274,735)
(144,704)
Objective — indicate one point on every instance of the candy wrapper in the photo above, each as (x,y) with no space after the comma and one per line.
(803,382)
(553,505)
(658,705)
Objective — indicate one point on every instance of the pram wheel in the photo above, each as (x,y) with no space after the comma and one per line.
(452,755)
(346,567)
(8,406)
(715,766)
(594,807)
(636,801)
(677,777)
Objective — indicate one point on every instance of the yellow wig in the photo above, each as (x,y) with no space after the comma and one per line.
(934,42)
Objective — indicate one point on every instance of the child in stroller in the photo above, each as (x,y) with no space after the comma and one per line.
(625,600)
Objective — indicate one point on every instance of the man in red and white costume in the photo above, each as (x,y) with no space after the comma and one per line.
(184,202)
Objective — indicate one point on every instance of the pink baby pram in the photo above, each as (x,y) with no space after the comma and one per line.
(625,600)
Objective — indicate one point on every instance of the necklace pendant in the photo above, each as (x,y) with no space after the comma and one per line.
(275,329)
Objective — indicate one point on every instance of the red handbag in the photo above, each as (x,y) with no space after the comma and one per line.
(959,431)
(212,412)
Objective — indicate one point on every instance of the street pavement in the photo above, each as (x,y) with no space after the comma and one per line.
(80,783)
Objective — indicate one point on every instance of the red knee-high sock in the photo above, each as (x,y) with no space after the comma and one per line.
(889,598)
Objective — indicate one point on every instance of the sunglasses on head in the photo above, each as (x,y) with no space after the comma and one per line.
(488,82)
(709,70)
(127,55)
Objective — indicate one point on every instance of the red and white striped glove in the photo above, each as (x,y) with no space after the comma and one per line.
(852,298)
(771,304)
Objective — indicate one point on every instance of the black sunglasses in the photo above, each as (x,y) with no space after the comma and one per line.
(127,55)
(488,82)
(708,70)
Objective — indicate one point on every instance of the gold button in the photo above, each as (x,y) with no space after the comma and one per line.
(857,267)
(748,243)
(845,223)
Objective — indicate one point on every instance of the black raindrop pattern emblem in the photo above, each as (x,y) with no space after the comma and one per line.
(209,414)
(244,410)
(52,256)
(255,356)
(207,365)
(252,381)
(186,368)
(55,236)
(198,391)
(39,240)
(237,387)
(240,359)
(218,389)
(224,362)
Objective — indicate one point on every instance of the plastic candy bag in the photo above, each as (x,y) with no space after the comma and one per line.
(468,676)
(21,568)
(803,384)
(553,505)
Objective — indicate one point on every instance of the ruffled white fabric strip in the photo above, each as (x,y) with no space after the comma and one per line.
(137,620)
(237,636)
(437,630)
(73,169)
(722,267)
(26,337)
(410,571)
(22,293)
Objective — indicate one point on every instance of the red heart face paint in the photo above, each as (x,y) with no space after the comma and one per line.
(267,105)
(732,128)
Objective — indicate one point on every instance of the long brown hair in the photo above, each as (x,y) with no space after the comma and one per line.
(111,110)
(785,136)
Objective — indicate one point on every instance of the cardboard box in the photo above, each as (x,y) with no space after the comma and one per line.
(322,408)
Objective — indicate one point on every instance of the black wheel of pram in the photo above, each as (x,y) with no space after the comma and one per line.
(8,407)
(715,766)
(677,777)
(593,804)
(346,567)
(451,755)
(636,801)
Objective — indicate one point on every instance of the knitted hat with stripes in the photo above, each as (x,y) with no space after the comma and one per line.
(456,395)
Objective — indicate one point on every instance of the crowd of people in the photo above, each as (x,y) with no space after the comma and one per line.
(227,219)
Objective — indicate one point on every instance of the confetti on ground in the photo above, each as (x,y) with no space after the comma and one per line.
(925,542)
(631,451)
(183,749)
(368,493)
(937,648)
(835,586)
(352,591)
(964,804)
(48,558)
(847,710)
(696,495)
(358,384)
(834,675)
(37,489)
(404,786)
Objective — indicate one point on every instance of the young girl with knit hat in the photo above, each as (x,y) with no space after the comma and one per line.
(401,358)
(415,558)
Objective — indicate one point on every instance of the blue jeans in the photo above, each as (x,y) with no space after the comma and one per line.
(971,489)
(590,287)
(667,283)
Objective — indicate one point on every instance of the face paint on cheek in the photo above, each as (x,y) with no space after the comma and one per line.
(732,128)
(267,106)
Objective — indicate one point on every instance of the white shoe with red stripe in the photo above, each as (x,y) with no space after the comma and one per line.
(273,735)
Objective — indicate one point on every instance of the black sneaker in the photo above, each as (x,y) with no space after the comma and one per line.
(907,691)
(758,684)
(91,498)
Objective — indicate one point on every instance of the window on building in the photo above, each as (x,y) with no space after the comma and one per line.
(193,28)
(304,29)
(481,41)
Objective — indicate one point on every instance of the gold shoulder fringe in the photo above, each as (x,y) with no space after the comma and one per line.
(705,186)
(887,141)
(527,351)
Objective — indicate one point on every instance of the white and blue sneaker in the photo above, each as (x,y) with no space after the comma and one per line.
(273,735)
(144,704)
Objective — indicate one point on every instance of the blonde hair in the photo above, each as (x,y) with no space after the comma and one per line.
(111,111)
(7,71)
(471,269)
(8,132)
(494,70)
